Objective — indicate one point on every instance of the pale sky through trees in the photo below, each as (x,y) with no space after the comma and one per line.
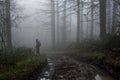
(30,5)
(35,26)
(31,27)
(38,24)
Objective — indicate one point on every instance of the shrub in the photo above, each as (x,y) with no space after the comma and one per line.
(11,57)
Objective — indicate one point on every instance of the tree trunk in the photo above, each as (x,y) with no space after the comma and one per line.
(70,31)
(102,18)
(64,23)
(87,24)
(81,20)
(58,21)
(53,22)
(92,20)
(78,20)
(8,24)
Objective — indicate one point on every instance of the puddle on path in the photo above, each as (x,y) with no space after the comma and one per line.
(64,68)
(97,77)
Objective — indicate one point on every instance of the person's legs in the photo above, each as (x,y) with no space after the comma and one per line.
(37,50)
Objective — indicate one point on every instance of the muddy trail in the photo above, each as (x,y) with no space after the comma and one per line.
(61,67)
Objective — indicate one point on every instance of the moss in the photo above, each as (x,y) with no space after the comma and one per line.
(23,68)
(98,56)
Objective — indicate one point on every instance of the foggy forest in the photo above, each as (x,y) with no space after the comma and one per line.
(59,39)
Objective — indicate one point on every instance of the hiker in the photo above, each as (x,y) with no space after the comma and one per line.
(38,44)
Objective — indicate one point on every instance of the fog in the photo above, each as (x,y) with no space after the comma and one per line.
(59,39)
(31,27)
(36,25)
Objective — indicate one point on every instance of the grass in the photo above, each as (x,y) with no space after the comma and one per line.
(95,55)
(20,67)
(99,56)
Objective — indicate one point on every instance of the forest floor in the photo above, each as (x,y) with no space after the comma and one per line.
(108,61)
(25,69)
(63,67)
(30,67)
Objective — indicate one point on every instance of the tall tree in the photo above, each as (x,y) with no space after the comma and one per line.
(78,20)
(116,17)
(53,22)
(2,26)
(70,28)
(58,21)
(102,18)
(92,21)
(64,23)
(87,17)
(8,24)
(81,19)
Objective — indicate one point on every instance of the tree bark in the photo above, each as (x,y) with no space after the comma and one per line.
(53,23)
(102,18)
(81,19)
(78,20)
(64,23)
(92,21)
(8,24)
(58,22)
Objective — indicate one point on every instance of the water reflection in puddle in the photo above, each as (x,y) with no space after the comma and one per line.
(44,79)
(97,77)
(48,72)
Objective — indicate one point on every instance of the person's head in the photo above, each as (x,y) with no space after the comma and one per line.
(36,40)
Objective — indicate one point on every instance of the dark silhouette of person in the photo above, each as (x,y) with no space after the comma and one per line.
(38,44)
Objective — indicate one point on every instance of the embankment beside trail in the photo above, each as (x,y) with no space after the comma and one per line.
(21,65)
(24,70)
(103,60)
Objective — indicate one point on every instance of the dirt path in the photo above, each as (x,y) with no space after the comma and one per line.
(61,67)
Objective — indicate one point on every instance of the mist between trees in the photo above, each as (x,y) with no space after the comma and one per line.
(57,22)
